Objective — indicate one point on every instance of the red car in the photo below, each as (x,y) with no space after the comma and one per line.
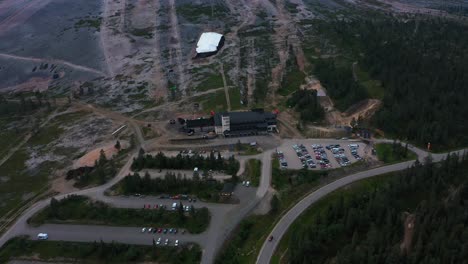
(159,230)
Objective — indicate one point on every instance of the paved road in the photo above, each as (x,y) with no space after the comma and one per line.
(224,218)
(282,226)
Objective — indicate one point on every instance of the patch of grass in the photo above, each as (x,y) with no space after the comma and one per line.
(97,252)
(214,101)
(393,153)
(291,82)
(235,98)
(46,135)
(196,13)
(253,170)
(20,181)
(213,81)
(81,210)
(89,23)
(373,87)
(143,32)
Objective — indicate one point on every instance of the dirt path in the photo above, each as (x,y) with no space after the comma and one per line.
(53,61)
(115,116)
(156,74)
(226,90)
(251,71)
(409,221)
(175,43)
(114,44)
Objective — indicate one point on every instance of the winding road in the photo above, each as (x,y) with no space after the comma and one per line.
(285,222)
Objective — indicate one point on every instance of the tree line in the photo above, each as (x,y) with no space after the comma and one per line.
(306,103)
(102,171)
(185,162)
(80,209)
(171,184)
(340,84)
(366,224)
(97,252)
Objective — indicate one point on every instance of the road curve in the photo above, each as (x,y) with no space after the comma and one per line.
(285,222)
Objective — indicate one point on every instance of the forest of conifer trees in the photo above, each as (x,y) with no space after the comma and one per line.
(368,227)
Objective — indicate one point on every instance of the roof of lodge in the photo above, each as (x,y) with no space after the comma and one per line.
(244,117)
(208,42)
(228,187)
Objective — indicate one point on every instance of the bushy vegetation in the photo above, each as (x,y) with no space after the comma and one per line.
(306,103)
(181,162)
(253,171)
(340,84)
(97,252)
(395,152)
(81,210)
(366,225)
(205,189)
(102,171)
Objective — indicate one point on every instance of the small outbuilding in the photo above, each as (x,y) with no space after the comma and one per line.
(209,44)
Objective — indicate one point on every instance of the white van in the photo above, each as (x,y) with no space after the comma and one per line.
(42,236)
(174,206)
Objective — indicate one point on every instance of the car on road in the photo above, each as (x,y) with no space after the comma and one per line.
(42,236)
(176,243)
(158,242)
(166,242)
(143,229)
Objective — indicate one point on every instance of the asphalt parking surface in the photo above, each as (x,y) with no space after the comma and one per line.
(295,163)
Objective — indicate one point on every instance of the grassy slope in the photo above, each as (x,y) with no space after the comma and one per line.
(24,184)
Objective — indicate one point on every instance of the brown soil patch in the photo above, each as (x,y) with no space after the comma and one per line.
(89,158)
(40,84)
(405,246)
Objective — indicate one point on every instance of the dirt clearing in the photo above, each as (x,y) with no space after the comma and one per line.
(89,158)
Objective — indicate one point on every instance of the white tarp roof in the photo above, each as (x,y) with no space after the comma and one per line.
(208,42)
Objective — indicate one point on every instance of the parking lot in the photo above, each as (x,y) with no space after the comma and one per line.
(319,154)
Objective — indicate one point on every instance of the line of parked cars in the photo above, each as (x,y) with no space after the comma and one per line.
(354,151)
(321,156)
(339,154)
(303,154)
(160,230)
(282,160)
(166,242)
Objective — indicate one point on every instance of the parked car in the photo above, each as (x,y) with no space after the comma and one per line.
(143,229)
(150,229)
(176,243)
(42,236)
(166,242)
(158,242)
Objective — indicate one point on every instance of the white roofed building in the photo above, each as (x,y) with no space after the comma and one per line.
(209,44)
